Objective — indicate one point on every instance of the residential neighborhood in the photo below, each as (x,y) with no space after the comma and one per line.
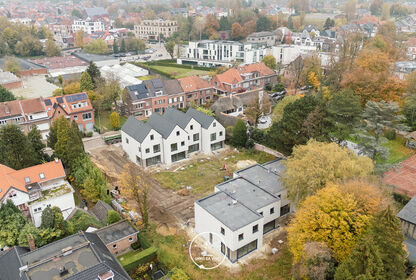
(207,140)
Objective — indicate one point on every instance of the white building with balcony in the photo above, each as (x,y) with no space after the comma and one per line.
(37,187)
(171,137)
(242,210)
(88,26)
(212,53)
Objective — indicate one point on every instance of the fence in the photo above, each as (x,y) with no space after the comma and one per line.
(267,150)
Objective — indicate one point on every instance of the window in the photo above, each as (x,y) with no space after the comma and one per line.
(42,175)
(75,118)
(220,133)
(222,231)
(272,210)
(255,228)
(196,136)
(213,136)
(240,236)
(261,213)
(183,143)
(173,147)
(27,180)
(147,150)
(177,133)
(86,116)
(130,239)
(152,137)
(214,124)
(127,140)
(114,246)
(156,148)
(284,209)
(192,127)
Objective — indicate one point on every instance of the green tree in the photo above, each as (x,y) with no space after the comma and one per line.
(179,274)
(110,90)
(94,72)
(224,23)
(411,83)
(75,146)
(409,111)
(6,95)
(343,114)
(376,118)
(62,132)
(321,163)
(170,47)
(76,13)
(17,152)
(115,120)
(12,222)
(51,49)
(270,61)
(29,46)
(364,262)
(123,46)
(263,24)
(35,140)
(240,136)
(11,65)
(97,46)
(376,7)
(288,132)
(113,217)
(86,83)
(53,135)
(115,46)
(329,23)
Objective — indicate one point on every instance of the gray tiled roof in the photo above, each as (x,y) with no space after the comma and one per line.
(228,211)
(161,125)
(178,117)
(204,120)
(10,264)
(136,129)
(408,213)
(101,209)
(172,87)
(87,57)
(116,231)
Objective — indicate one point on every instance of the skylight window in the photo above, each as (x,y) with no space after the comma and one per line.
(42,175)
(27,180)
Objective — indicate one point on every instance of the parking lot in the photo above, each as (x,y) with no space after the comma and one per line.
(154,51)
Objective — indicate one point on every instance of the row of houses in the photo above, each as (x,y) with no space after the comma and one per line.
(173,136)
(43,111)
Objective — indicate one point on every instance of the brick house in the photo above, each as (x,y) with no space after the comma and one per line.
(118,236)
(196,90)
(75,107)
(244,78)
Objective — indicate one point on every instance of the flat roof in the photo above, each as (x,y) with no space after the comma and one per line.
(228,211)
(247,193)
(116,231)
(263,178)
(7,78)
(277,166)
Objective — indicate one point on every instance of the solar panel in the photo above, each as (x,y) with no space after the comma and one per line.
(157,83)
(76,97)
(60,100)
(48,102)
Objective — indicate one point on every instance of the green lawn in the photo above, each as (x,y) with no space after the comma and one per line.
(398,151)
(147,77)
(105,121)
(178,72)
(203,176)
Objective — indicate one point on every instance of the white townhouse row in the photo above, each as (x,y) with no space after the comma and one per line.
(88,26)
(171,137)
(242,210)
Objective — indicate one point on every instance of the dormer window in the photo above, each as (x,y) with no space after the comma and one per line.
(42,175)
(27,180)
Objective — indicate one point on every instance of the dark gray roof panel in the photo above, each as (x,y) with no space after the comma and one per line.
(177,117)
(263,178)
(136,129)
(200,117)
(116,231)
(101,209)
(408,213)
(161,125)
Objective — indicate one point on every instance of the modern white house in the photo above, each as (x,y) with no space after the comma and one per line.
(285,54)
(171,137)
(37,187)
(88,26)
(212,53)
(242,210)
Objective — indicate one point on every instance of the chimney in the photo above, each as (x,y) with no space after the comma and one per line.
(56,160)
(31,242)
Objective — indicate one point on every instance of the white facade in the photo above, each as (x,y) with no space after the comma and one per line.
(208,140)
(88,26)
(285,54)
(154,29)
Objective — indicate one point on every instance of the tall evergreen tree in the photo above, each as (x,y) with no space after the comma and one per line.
(123,46)
(53,135)
(94,72)
(86,83)
(16,150)
(35,140)
(386,232)
(75,147)
(364,262)
(62,139)
(115,46)
(239,138)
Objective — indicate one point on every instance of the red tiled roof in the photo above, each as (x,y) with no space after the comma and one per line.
(192,83)
(256,67)
(403,178)
(57,62)
(10,108)
(411,42)
(32,105)
(16,178)
(66,105)
(231,76)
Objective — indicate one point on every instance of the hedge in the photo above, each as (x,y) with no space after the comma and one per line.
(144,243)
(133,259)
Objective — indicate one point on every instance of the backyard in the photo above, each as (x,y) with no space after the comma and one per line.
(177,72)
(398,150)
(105,121)
(202,174)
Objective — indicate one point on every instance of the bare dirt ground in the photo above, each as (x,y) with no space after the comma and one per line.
(167,208)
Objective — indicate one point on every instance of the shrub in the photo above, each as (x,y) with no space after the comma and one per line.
(249,143)
(258,135)
(135,245)
(113,217)
(390,134)
(133,259)
(239,138)
(279,87)
(81,221)
(144,243)
(88,134)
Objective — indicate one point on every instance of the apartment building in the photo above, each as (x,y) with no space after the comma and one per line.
(265,37)
(37,187)
(155,29)
(213,53)
(156,95)
(88,26)
(243,78)
(286,54)
(242,210)
(170,137)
